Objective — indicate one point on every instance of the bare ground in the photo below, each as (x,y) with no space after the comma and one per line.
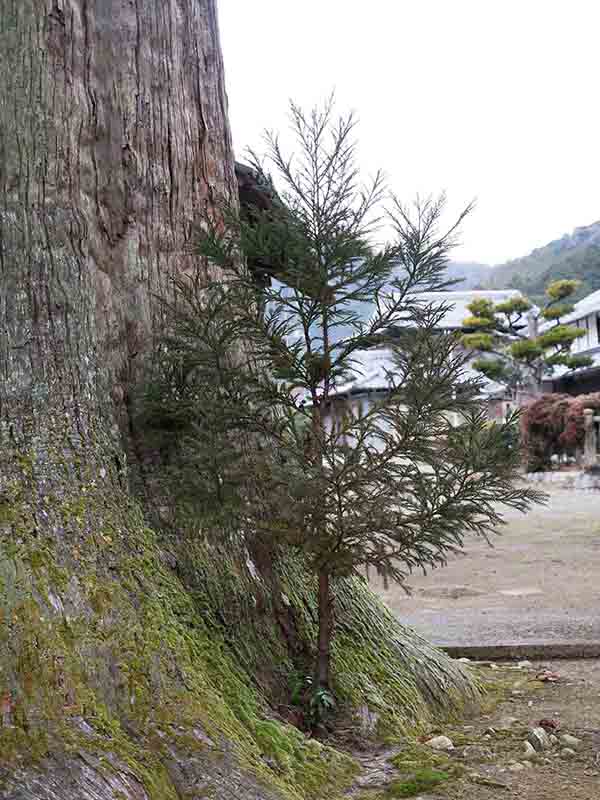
(574,702)
(540,582)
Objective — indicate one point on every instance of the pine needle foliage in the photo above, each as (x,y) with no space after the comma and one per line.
(250,374)
(512,355)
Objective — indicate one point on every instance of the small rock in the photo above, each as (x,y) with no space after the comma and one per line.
(440,743)
(529,751)
(202,737)
(524,664)
(571,742)
(272,763)
(464,660)
(506,723)
(553,740)
(474,752)
(551,725)
(487,737)
(515,766)
(547,676)
(373,780)
(539,739)
(567,752)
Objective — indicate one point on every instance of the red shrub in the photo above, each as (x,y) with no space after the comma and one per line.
(554,424)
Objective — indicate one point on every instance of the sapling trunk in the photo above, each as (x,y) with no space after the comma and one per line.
(323,669)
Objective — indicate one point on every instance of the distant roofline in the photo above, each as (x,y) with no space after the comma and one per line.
(471,292)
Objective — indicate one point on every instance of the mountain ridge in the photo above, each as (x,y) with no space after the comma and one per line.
(573,255)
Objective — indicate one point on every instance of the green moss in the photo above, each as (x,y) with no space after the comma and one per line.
(25,460)
(147,660)
(115,750)
(415,756)
(172,669)
(15,741)
(421,781)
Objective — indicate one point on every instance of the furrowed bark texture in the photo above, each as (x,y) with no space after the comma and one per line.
(123,673)
(114,135)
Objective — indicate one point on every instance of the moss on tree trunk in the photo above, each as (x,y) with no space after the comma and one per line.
(128,668)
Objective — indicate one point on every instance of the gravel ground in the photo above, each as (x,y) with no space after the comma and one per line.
(573,702)
(487,761)
(539,583)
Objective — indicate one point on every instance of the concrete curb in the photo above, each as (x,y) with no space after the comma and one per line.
(525,652)
(586,481)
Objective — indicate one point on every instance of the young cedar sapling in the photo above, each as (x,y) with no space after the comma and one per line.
(394,486)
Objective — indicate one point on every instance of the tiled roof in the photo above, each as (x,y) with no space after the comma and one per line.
(563,372)
(373,366)
(460,300)
(372,371)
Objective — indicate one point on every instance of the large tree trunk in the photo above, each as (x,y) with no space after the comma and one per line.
(115,679)
(114,135)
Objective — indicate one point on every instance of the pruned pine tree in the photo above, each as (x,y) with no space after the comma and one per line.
(511,348)
(395,487)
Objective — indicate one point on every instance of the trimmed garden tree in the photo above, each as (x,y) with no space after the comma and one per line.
(251,371)
(512,350)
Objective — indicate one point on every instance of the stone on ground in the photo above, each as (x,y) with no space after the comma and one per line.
(529,751)
(571,742)
(475,752)
(539,739)
(440,743)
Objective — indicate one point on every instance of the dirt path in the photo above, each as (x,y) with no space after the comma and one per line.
(539,583)
(487,762)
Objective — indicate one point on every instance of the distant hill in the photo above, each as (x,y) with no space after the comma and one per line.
(575,255)
(471,274)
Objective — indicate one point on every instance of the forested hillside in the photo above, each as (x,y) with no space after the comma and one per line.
(575,255)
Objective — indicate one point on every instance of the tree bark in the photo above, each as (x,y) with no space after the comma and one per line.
(113,136)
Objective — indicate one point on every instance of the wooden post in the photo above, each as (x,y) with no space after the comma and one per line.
(590,446)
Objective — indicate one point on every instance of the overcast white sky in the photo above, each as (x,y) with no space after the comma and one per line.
(493,99)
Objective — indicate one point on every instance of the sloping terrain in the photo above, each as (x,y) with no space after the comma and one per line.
(575,255)
(138,671)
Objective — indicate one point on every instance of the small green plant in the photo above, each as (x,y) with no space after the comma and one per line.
(320,706)
(317,703)
(299,686)
(420,781)
(251,375)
